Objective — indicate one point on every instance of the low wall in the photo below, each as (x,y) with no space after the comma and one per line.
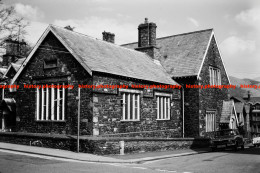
(103,145)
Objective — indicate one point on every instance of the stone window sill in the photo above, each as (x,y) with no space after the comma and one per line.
(58,121)
(163,119)
(128,120)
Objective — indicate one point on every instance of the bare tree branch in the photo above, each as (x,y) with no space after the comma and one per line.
(12,26)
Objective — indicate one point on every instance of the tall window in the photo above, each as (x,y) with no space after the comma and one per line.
(50,104)
(256,107)
(163,108)
(131,106)
(215,76)
(210,121)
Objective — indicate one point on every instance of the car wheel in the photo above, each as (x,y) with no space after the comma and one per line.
(242,147)
(213,149)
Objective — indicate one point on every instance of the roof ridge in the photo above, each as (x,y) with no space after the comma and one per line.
(97,39)
(186,33)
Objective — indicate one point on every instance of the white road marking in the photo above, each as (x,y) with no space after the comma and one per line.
(140,167)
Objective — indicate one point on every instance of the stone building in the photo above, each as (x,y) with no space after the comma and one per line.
(190,59)
(66,58)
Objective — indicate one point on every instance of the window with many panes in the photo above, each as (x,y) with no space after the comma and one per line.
(215,76)
(131,106)
(210,121)
(163,107)
(50,104)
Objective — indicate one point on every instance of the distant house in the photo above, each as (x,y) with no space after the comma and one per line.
(254,103)
(65,57)
(190,59)
(229,119)
(12,60)
(249,109)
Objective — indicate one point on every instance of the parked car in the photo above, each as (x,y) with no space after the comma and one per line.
(227,139)
(256,141)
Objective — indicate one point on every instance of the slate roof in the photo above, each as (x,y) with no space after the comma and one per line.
(17,64)
(238,99)
(182,55)
(101,56)
(227,110)
(239,107)
(2,72)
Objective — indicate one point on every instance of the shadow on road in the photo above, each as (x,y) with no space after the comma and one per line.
(252,150)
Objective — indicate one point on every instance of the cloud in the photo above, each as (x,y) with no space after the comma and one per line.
(104,9)
(250,17)
(28,12)
(34,31)
(235,45)
(193,21)
(94,26)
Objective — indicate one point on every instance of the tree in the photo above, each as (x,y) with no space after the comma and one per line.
(12,26)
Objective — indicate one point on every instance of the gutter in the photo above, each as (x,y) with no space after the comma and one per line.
(182,112)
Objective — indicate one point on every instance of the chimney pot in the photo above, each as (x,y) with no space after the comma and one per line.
(108,36)
(146,20)
(147,34)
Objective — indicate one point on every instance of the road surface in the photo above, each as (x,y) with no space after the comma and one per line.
(247,161)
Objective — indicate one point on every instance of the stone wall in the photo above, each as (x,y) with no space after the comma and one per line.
(212,98)
(101,109)
(107,108)
(103,145)
(70,72)
(198,101)
(191,106)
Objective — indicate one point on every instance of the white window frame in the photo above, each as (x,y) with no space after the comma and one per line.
(163,107)
(42,108)
(210,120)
(214,76)
(129,104)
(166,104)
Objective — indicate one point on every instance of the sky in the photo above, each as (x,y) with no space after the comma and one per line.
(236,23)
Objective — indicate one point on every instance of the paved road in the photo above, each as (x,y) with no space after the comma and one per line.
(247,161)
(224,162)
(11,162)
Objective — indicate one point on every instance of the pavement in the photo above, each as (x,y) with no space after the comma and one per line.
(128,158)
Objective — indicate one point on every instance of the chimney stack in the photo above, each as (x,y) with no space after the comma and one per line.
(147,34)
(109,37)
(248,95)
(147,39)
(14,50)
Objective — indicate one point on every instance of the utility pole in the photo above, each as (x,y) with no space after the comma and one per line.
(18,39)
(78,98)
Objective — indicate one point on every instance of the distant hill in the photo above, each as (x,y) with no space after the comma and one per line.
(257,79)
(241,92)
